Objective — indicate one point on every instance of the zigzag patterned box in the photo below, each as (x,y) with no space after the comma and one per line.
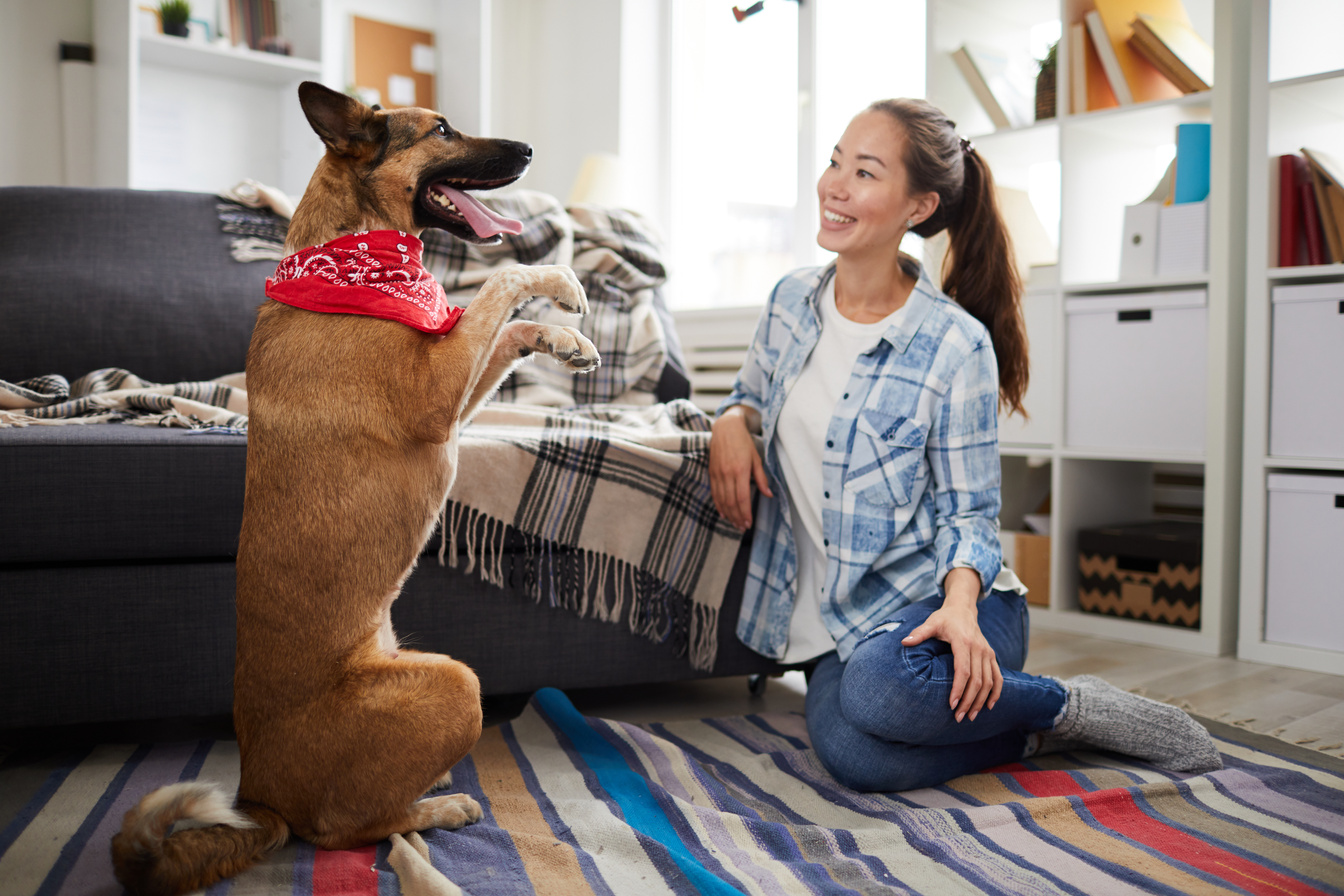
(1148,571)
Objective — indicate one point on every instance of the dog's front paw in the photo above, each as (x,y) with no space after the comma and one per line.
(565,290)
(570,347)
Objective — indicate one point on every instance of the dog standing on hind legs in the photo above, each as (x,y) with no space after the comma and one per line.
(352,448)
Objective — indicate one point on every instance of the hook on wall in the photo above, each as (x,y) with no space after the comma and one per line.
(751,10)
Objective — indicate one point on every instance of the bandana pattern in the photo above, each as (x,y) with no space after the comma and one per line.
(377,273)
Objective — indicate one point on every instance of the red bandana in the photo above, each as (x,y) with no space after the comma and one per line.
(375,272)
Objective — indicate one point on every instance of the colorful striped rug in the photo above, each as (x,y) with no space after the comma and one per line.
(577,805)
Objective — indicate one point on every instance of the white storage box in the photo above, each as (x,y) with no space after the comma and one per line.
(1306,412)
(1137,372)
(1183,239)
(1304,594)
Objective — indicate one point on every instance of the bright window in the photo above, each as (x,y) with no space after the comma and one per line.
(743,204)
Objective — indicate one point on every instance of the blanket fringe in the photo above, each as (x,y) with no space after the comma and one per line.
(592,584)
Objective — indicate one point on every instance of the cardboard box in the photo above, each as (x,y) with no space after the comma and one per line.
(1028,555)
(1146,571)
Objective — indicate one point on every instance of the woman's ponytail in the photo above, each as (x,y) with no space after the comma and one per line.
(979,271)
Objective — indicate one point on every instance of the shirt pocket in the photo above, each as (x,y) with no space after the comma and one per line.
(886,458)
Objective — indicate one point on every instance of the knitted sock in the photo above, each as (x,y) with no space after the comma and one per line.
(1099,714)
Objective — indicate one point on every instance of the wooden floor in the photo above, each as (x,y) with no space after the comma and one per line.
(1305,708)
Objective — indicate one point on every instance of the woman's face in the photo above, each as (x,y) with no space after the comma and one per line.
(864,193)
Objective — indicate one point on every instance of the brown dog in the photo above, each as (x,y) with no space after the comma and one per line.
(352,447)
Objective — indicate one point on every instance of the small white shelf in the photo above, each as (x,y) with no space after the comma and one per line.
(1306,272)
(1117,628)
(225,62)
(1328,464)
(1185,281)
(1170,457)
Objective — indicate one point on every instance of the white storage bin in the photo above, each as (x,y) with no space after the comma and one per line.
(1306,411)
(1137,373)
(1304,593)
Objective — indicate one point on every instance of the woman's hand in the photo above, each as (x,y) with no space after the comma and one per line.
(977,679)
(734,465)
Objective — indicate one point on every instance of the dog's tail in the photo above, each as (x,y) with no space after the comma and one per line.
(150,859)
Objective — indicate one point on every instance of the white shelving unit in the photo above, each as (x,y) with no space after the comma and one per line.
(1295,98)
(179,114)
(1101,162)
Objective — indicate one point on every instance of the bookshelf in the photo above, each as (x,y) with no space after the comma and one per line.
(1100,162)
(180,114)
(1295,98)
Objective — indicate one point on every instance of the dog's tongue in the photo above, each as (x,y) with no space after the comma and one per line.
(482,220)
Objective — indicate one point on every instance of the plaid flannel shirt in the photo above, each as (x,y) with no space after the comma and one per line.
(910,472)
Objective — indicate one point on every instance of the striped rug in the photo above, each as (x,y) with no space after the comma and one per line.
(577,805)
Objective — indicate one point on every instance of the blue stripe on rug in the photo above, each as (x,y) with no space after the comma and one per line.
(627,788)
(75,845)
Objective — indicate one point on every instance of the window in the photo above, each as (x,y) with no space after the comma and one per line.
(756,107)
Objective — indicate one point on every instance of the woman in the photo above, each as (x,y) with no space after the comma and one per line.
(876,542)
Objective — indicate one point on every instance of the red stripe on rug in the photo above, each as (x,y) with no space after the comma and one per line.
(1117,810)
(345,872)
(1051,783)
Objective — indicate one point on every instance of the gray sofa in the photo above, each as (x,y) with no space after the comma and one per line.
(117,542)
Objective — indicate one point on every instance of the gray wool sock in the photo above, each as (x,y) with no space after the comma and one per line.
(1099,714)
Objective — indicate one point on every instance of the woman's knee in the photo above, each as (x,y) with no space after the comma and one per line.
(889,689)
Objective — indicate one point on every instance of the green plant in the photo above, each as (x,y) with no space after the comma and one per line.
(1049,63)
(174,12)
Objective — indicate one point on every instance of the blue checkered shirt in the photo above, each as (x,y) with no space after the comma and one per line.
(910,472)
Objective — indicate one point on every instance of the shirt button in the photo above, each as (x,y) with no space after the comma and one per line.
(826,494)
(846,395)
(826,542)
(830,444)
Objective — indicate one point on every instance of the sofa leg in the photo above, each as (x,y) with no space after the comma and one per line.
(756,684)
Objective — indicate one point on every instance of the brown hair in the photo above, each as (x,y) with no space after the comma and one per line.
(979,271)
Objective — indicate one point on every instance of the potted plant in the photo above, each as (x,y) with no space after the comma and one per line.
(1045,84)
(174,15)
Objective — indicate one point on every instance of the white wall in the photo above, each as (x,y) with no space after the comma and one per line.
(30,91)
(556,83)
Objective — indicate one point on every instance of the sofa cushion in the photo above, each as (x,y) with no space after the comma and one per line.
(111,492)
(137,279)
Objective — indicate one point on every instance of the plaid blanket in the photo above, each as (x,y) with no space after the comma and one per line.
(112,395)
(613,511)
(611,505)
(612,251)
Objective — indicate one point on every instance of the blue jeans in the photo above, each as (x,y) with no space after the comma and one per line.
(882,721)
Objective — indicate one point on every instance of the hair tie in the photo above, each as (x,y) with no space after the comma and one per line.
(966,145)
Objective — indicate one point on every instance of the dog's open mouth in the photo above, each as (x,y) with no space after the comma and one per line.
(449,201)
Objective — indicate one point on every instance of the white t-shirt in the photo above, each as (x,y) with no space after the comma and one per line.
(800,436)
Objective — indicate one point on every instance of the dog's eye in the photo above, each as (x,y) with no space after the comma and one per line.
(441,130)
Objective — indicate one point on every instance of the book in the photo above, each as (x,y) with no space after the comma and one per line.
(1193,150)
(1003,85)
(1175,50)
(1110,62)
(1292,236)
(1088,88)
(1142,80)
(1327,178)
(1311,223)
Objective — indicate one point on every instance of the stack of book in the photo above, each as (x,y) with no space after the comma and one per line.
(1311,209)
(253,22)
(1134,51)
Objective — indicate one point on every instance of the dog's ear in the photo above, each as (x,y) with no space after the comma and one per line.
(343,122)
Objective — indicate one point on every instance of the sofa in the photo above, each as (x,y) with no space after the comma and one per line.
(117,541)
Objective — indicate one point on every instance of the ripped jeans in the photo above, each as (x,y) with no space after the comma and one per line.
(882,721)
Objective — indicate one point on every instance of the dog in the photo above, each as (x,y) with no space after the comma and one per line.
(352,448)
